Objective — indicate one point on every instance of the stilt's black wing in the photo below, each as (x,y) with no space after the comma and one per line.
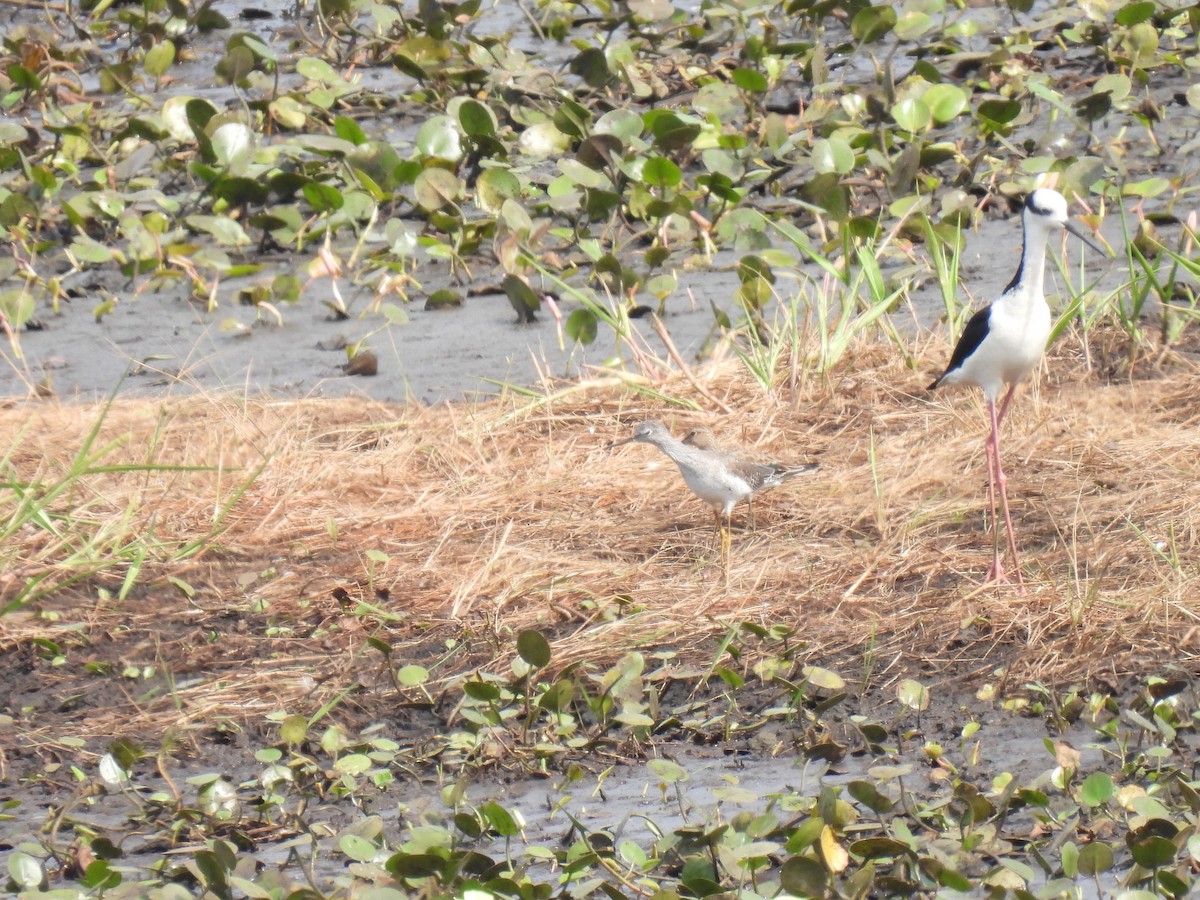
(972,337)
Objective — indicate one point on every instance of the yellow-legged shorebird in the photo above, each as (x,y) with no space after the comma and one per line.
(719,478)
(701,436)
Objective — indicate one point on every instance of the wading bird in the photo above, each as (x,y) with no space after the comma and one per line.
(718,478)
(1004,341)
(703,438)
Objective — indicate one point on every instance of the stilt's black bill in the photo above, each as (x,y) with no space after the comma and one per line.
(1082,235)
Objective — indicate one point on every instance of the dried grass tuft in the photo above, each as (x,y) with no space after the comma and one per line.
(500,517)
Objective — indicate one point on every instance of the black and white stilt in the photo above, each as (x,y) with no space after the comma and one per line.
(1004,341)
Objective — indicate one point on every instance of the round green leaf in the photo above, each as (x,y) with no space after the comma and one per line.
(1153,852)
(1135,13)
(558,697)
(493,187)
(500,819)
(872,23)
(533,648)
(436,187)
(998,112)
(582,326)
(438,137)
(1094,859)
(832,155)
(158,59)
(481,690)
(1097,789)
(912,694)
(826,679)
(412,675)
(803,876)
(751,80)
(353,763)
(477,119)
(357,848)
(912,114)
(542,139)
(661,172)
(879,848)
(945,101)
(323,198)
(25,870)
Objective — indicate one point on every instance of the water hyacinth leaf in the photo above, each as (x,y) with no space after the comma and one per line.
(582,326)
(582,175)
(592,66)
(232,143)
(500,819)
(1097,789)
(558,697)
(913,694)
(661,172)
(623,124)
(869,796)
(100,876)
(412,675)
(158,59)
(414,865)
(353,763)
(23,79)
(483,691)
(533,648)
(477,119)
(227,231)
(827,192)
(671,132)
(803,876)
(323,198)
(435,188)
(1094,859)
(750,80)
(667,771)
(542,139)
(237,191)
(995,115)
(597,150)
(349,130)
(879,848)
(832,155)
(912,25)
(357,848)
(235,65)
(1135,13)
(945,101)
(438,137)
(912,114)
(826,679)
(872,23)
(1153,852)
(832,852)
(651,10)
(572,118)
(493,187)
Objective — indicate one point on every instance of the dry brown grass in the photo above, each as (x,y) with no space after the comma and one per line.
(506,516)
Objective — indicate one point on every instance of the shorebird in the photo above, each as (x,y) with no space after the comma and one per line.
(777,473)
(1004,340)
(718,478)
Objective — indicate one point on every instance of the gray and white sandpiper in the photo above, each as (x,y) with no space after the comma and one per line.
(718,477)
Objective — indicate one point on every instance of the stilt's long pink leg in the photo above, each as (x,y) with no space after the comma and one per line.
(1001,484)
(997,570)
